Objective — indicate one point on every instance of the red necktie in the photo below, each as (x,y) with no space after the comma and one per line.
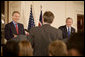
(17,29)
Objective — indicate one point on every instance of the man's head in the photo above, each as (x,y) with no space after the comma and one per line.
(75,44)
(48,17)
(69,21)
(15,16)
(57,48)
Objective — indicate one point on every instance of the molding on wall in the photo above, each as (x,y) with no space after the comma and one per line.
(7,11)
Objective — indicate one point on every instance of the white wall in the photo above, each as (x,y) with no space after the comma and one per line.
(61,10)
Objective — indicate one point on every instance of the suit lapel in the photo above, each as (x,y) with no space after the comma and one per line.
(13,29)
(65,28)
(72,30)
(66,32)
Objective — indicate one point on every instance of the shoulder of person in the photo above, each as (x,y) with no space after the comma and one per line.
(73,28)
(8,24)
(20,24)
(62,26)
(34,28)
(54,28)
(59,30)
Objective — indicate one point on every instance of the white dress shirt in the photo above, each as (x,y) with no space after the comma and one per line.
(69,28)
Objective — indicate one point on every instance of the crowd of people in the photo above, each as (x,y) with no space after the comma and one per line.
(73,47)
(42,41)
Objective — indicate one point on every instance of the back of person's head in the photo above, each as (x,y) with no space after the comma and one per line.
(75,44)
(11,48)
(48,17)
(25,48)
(57,48)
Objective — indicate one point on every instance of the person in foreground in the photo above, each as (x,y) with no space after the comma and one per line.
(40,37)
(57,48)
(11,48)
(25,48)
(75,44)
(21,48)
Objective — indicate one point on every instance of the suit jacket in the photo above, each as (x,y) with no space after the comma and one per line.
(10,30)
(64,31)
(40,38)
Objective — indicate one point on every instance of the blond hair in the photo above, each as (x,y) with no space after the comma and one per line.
(25,48)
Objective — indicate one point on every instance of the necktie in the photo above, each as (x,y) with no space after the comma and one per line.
(17,29)
(69,32)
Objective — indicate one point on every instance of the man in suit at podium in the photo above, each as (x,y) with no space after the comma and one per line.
(67,29)
(13,29)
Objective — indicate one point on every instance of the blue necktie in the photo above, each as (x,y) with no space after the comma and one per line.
(69,32)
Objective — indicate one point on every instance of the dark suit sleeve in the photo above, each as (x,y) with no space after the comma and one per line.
(73,30)
(7,32)
(60,28)
(23,30)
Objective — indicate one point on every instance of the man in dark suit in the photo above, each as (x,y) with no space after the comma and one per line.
(40,37)
(67,29)
(13,29)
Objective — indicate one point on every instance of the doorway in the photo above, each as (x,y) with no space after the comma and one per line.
(80,23)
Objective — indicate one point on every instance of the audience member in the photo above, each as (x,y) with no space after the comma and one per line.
(40,37)
(75,44)
(11,48)
(25,48)
(57,48)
